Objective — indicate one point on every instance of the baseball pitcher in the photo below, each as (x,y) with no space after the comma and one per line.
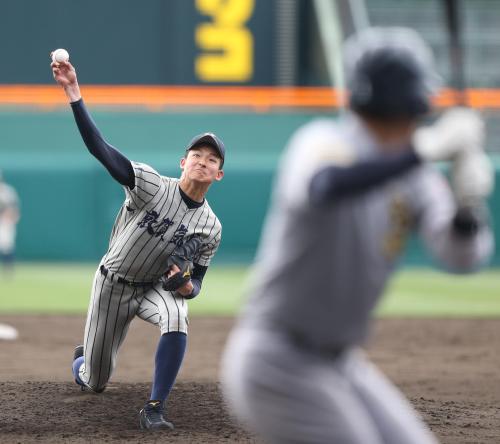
(348,194)
(162,242)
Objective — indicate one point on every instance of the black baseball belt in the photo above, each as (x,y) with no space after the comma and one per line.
(302,342)
(113,277)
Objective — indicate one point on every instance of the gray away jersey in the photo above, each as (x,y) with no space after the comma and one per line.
(320,272)
(152,221)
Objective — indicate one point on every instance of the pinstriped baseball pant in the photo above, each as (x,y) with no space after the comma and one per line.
(112,307)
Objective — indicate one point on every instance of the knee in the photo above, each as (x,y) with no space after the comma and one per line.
(176,325)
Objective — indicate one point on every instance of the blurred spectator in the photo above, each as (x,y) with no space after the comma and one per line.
(9,217)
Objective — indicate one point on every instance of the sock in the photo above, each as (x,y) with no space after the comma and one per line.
(168,360)
(77,363)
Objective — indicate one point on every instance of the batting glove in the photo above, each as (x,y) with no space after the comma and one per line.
(457,130)
(472,178)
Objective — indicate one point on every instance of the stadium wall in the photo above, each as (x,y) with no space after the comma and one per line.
(69,202)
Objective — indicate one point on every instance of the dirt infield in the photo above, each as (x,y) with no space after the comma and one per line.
(450,370)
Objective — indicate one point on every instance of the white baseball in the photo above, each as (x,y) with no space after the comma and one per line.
(60,55)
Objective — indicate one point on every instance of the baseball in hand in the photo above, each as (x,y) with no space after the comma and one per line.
(60,55)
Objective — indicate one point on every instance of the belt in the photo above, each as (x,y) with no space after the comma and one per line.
(105,272)
(301,341)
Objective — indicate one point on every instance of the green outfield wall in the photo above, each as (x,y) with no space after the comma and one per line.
(69,202)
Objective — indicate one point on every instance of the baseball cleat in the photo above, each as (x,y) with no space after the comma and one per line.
(151,417)
(77,362)
(78,352)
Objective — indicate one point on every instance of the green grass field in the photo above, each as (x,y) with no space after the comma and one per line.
(58,288)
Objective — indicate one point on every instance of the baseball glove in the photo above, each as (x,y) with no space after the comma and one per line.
(183,257)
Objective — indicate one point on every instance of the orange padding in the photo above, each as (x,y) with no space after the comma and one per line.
(258,98)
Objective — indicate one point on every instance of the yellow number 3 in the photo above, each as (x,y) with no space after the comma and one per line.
(227,44)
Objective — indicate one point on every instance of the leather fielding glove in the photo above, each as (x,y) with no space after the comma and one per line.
(458,130)
(183,257)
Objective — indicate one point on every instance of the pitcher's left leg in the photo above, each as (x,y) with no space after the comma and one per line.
(169,313)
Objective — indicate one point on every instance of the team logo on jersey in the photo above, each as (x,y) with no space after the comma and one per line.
(400,224)
(155,227)
(178,236)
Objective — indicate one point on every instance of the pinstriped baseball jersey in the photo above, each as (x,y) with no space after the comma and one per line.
(152,221)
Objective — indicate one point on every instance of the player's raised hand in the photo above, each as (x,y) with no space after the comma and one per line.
(64,73)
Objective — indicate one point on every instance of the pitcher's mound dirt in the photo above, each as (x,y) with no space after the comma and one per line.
(449,369)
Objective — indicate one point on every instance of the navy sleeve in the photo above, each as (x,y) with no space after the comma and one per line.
(115,162)
(334,182)
(197,278)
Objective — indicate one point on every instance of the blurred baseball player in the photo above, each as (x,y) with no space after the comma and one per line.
(347,196)
(9,217)
(164,225)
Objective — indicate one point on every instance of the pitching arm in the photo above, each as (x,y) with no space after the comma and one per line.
(115,162)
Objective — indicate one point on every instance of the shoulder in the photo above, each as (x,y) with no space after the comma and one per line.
(218,224)
(318,144)
(213,217)
(313,131)
(170,181)
(146,174)
(211,212)
(144,169)
(320,141)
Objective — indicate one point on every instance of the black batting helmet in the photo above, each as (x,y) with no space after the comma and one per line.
(390,73)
